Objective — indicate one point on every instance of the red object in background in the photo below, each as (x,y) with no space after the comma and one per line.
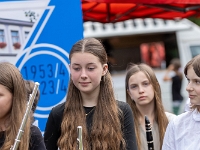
(2,45)
(153,54)
(17,45)
(110,11)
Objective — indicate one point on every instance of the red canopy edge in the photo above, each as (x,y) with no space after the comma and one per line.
(148,1)
(115,12)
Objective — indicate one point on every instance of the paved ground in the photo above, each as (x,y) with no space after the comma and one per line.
(119,87)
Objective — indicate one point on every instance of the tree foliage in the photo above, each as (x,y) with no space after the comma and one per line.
(31,15)
(195,20)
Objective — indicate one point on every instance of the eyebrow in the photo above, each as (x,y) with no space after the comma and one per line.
(75,64)
(87,64)
(196,78)
(142,81)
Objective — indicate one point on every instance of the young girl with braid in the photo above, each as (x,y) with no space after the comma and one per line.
(90,103)
(143,94)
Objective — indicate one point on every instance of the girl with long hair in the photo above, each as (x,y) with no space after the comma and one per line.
(143,94)
(183,132)
(13,104)
(107,123)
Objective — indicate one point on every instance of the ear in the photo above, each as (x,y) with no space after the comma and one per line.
(105,69)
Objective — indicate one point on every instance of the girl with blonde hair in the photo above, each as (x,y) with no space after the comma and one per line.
(143,94)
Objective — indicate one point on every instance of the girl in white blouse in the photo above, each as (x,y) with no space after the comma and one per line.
(183,133)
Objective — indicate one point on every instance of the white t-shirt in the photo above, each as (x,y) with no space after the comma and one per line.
(183,132)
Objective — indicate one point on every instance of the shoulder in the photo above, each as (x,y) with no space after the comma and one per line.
(176,77)
(123,105)
(184,115)
(125,108)
(56,113)
(181,119)
(37,141)
(35,130)
(170,116)
(59,109)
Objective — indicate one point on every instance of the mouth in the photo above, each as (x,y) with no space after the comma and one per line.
(84,83)
(191,96)
(142,97)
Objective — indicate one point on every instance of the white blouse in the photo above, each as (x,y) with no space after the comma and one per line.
(183,132)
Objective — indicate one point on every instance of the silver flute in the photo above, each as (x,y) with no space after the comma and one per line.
(149,135)
(79,139)
(26,115)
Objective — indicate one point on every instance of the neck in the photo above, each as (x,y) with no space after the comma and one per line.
(89,100)
(147,110)
(2,124)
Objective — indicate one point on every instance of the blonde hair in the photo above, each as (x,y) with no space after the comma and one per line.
(160,116)
(11,78)
(106,131)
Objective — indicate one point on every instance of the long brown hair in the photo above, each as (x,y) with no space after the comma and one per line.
(29,87)
(11,78)
(160,116)
(195,64)
(106,133)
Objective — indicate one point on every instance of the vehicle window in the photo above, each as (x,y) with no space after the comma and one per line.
(195,50)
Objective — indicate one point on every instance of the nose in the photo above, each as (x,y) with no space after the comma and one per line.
(189,87)
(141,89)
(83,74)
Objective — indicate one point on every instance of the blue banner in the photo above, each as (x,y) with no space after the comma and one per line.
(44,57)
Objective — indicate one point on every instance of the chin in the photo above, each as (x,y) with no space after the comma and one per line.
(144,103)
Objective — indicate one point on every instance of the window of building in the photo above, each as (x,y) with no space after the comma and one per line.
(15,36)
(2,36)
(26,34)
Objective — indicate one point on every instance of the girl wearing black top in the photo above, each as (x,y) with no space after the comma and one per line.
(107,123)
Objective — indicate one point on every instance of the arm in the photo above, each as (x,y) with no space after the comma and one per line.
(167,76)
(51,133)
(128,130)
(37,141)
(169,139)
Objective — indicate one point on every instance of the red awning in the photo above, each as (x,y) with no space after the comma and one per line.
(106,11)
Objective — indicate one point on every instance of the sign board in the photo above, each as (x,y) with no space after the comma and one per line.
(44,56)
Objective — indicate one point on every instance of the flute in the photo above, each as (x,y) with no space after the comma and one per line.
(25,117)
(149,135)
(79,139)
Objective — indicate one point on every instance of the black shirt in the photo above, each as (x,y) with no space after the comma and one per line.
(36,140)
(53,126)
(176,88)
